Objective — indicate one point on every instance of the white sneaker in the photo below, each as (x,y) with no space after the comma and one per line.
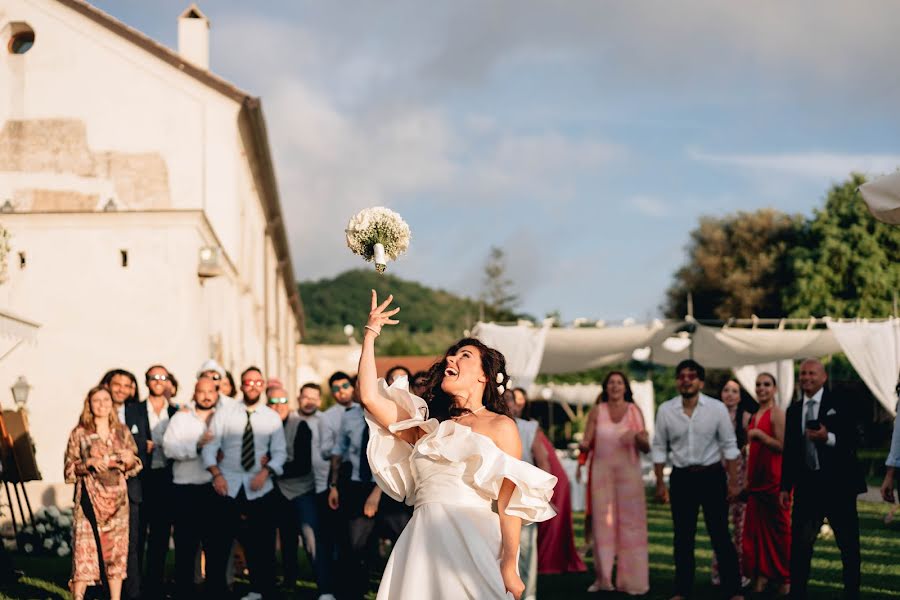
(252,596)
(327,597)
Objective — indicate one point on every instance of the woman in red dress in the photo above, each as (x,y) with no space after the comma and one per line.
(767,526)
(556,539)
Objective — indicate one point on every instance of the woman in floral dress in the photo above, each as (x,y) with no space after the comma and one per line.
(100,455)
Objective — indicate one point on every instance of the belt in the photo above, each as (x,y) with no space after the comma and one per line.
(700,468)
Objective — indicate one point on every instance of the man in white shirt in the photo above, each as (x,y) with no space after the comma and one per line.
(245,433)
(157,514)
(697,431)
(192,492)
(213,370)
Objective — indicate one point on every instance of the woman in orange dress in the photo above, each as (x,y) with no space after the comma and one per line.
(100,455)
(616,433)
(767,526)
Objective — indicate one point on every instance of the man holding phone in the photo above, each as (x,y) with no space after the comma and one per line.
(821,469)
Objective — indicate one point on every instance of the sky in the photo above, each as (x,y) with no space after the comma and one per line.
(584,138)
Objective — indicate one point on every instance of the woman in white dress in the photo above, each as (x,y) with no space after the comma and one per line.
(455,458)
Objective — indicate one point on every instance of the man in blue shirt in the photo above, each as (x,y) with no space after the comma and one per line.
(251,439)
(367,513)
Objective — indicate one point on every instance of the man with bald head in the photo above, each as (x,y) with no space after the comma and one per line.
(820,467)
(196,501)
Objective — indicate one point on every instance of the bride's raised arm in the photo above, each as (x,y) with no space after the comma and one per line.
(383,410)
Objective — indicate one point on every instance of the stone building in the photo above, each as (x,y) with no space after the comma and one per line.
(143,209)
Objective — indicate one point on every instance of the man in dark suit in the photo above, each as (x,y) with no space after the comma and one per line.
(157,512)
(123,389)
(821,469)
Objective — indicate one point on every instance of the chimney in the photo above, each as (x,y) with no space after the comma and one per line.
(193,37)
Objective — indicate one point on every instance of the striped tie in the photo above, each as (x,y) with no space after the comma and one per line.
(248,452)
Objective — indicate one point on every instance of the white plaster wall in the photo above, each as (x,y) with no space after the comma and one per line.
(130,101)
(96,315)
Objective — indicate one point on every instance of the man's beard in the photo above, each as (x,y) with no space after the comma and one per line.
(251,402)
(310,413)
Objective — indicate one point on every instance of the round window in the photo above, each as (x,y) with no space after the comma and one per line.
(21,42)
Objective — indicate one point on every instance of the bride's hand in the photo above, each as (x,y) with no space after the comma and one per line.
(379,316)
(512,581)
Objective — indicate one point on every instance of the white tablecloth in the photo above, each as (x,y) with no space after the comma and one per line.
(570,464)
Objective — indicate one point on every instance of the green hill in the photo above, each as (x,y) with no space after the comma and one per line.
(430,319)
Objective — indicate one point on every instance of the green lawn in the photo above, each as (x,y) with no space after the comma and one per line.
(46,578)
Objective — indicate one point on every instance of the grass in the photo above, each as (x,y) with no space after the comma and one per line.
(46,577)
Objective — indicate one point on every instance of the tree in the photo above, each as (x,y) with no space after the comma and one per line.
(847,263)
(497,292)
(737,266)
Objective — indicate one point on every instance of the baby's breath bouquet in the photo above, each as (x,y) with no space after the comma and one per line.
(378,234)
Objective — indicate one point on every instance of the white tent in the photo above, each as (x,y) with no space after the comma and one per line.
(872,348)
(585,395)
(883,198)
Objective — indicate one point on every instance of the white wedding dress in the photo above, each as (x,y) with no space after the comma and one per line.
(450,550)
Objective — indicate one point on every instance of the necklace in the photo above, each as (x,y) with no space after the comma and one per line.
(471,412)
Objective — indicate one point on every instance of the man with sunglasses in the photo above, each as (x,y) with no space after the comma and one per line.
(285,520)
(246,432)
(696,430)
(157,516)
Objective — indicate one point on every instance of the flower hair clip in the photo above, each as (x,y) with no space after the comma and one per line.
(500,379)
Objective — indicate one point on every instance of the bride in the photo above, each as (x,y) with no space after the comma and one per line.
(452,457)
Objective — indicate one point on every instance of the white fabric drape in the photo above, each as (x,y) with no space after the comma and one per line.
(883,198)
(723,348)
(586,394)
(583,348)
(522,346)
(783,370)
(874,351)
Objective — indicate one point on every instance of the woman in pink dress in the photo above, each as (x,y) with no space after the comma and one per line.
(615,430)
(767,526)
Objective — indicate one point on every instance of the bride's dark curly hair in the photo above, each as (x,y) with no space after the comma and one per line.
(440,403)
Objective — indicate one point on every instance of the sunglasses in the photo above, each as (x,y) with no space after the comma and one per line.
(278,400)
(214,376)
(158,378)
(258,383)
(344,386)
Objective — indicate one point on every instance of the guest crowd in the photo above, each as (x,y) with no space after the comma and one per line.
(773,476)
(237,473)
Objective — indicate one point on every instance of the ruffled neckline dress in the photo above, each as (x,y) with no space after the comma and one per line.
(452,476)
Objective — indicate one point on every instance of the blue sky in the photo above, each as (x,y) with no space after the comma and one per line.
(584,138)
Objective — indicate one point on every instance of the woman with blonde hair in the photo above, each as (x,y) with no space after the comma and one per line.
(100,456)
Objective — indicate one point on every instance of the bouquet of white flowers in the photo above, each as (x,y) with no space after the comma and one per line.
(378,234)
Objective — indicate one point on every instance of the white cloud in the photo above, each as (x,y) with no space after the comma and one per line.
(817,165)
(649,206)
(545,165)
